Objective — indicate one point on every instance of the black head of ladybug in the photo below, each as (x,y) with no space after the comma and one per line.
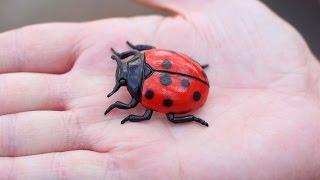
(130,73)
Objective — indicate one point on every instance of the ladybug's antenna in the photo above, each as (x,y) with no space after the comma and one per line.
(119,82)
(118,60)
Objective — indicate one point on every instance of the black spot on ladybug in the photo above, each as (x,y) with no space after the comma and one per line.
(149,94)
(185,83)
(196,96)
(166,64)
(167,102)
(204,74)
(165,79)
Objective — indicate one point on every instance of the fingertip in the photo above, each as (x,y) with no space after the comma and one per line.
(165,5)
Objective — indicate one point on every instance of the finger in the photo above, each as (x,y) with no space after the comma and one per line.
(82,164)
(176,6)
(39,132)
(63,165)
(48,48)
(32,92)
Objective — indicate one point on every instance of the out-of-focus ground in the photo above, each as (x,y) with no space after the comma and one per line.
(303,14)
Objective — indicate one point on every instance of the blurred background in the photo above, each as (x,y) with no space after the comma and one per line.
(303,14)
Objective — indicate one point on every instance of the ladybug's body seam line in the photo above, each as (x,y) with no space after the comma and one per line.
(181,74)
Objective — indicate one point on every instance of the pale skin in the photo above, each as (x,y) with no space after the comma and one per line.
(263,106)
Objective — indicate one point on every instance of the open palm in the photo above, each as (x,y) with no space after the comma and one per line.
(263,106)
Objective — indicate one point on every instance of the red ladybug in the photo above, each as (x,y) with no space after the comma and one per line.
(161,80)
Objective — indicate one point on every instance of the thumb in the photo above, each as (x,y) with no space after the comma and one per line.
(176,6)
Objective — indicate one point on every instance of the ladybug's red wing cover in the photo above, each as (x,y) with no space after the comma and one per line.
(166,60)
(165,92)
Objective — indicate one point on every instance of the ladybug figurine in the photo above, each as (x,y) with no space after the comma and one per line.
(161,80)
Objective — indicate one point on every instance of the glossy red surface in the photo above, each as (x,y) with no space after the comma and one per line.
(180,63)
(182,97)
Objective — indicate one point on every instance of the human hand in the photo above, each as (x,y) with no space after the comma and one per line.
(263,106)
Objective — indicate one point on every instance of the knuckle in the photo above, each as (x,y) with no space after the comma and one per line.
(18,45)
(16,49)
(58,90)
(112,167)
(74,126)
(59,166)
(8,143)
(73,120)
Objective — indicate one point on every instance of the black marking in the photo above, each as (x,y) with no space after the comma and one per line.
(196,96)
(166,64)
(177,73)
(185,83)
(204,74)
(165,79)
(181,74)
(147,71)
(149,94)
(167,102)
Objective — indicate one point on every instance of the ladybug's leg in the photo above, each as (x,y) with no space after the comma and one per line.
(120,105)
(184,119)
(123,55)
(140,47)
(204,66)
(134,118)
